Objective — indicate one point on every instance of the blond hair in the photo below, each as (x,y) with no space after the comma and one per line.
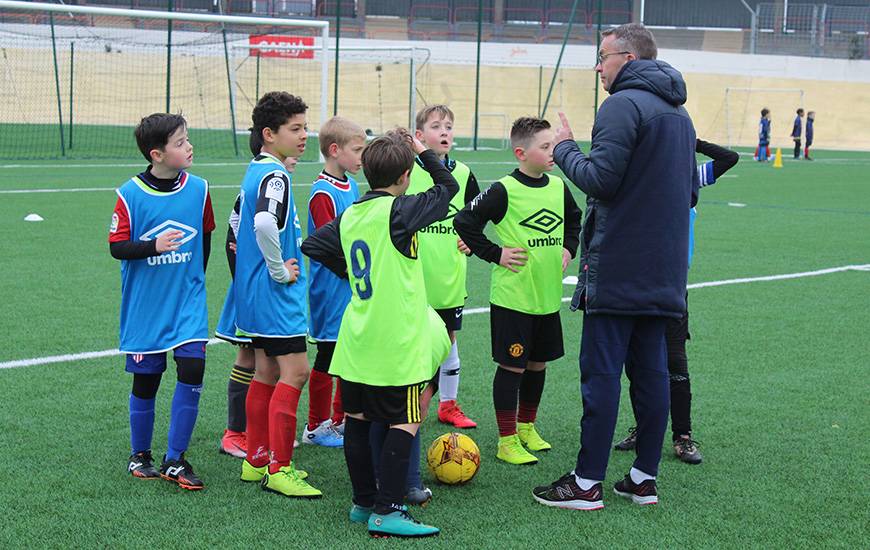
(443,111)
(340,131)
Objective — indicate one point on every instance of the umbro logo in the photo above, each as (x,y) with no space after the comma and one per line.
(188,232)
(451,211)
(544,220)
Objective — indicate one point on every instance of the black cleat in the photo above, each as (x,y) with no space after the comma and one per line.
(181,472)
(644,493)
(565,493)
(140,465)
(629,442)
(686,449)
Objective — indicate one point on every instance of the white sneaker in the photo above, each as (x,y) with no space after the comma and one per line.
(323,435)
(339,428)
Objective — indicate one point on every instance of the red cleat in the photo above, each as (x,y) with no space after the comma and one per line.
(450,413)
(234,444)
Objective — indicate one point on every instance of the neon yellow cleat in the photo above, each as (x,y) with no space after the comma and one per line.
(511,450)
(288,483)
(530,437)
(252,473)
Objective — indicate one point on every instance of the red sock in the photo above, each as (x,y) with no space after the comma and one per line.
(337,409)
(319,392)
(527,412)
(257,412)
(282,425)
(507,422)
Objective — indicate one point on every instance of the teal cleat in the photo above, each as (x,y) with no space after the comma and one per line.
(399,524)
(360,514)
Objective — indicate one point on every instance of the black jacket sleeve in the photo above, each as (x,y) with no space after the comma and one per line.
(723,159)
(411,213)
(324,246)
(133,250)
(489,206)
(573,224)
(472,189)
(231,256)
(206,250)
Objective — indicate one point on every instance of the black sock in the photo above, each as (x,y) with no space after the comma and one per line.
(532,386)
(358,456)
(237,393)
(505,389)
(395,458)
(681,405)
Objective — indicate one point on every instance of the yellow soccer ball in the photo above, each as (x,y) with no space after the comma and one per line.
(453,458)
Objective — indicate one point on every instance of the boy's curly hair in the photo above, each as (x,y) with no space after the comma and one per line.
(388,157)
(274,110)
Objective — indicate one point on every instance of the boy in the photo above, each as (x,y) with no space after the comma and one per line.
(538,223)
(390,341)
(270,291)
(162,223)
(341,143)
(677,330)
(811,118)
(234,442)
(762,152)
(443,254)
(796,133)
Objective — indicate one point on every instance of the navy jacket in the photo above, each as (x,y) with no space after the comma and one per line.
(809,131)
(639,179)
(796,129)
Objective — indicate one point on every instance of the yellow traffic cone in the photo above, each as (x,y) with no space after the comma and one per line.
(777,161)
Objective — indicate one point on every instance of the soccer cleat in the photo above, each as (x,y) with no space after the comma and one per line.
(530,437)
(323,435)
(418,496)
(181,472)
(511,450)
(252,473)
(686,449)
(140,465)
(234,444)
(360,514)
(287,481)
(399,523)
(629,442)
(565,493)
(644,493)
(450,413)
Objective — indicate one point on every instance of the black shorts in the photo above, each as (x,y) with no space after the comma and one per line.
(275,347)
(518,337)
(389,404)
(323,359)
(452,317)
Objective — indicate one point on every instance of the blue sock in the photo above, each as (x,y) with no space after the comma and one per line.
(414,478)
(141,423)
(185,407)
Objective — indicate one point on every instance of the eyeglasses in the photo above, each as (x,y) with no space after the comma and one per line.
(603,56)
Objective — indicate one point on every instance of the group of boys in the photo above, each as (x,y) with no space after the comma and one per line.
(385,294)
(762,152)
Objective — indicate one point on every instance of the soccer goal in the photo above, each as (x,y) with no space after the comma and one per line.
(77,79)
(743,111)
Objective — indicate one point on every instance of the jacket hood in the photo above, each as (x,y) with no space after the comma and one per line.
(653,76)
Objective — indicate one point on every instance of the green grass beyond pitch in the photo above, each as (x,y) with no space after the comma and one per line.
(779,374)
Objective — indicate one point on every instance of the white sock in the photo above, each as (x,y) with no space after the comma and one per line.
(638,477)
(585,484)
(448,379)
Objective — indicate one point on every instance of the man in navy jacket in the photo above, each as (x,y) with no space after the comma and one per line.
(640,180)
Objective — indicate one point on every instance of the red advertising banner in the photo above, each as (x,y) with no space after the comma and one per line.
(263,41)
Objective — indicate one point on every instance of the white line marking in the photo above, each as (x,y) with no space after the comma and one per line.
(468,311)
(736,204)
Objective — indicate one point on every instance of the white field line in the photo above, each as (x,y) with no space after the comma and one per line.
(469,311)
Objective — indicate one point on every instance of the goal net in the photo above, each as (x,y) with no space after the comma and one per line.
(742,112)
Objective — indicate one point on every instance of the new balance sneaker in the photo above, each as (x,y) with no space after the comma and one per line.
(323,435)
(686,450)
(419,496)
(629,442)
(530,437)
(234,444)
(141,465)
(181,472)
(643,493)
(360,514)
(450,413)
(565,493)
(287,481)
(511,450)
(339,428)
(399,523)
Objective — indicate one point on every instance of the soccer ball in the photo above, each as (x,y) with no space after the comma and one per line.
(453,458)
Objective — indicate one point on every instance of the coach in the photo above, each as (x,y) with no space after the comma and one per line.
(639,181)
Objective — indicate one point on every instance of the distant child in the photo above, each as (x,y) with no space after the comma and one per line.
(391,341)
(677,330)
(234,442)
(161,231)
(341,143)
(270,295)
(762,152)
(796,133)
(811,118)
(538,224)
